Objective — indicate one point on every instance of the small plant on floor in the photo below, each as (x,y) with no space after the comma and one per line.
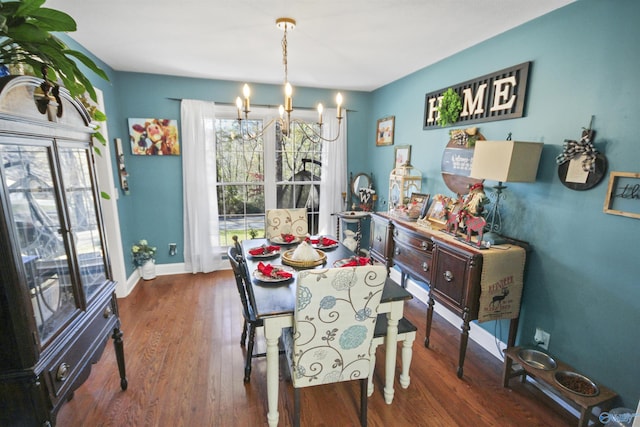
(142,253)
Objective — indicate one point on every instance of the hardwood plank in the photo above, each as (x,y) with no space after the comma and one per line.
(185,367)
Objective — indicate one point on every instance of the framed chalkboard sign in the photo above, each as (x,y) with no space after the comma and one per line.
(456,165)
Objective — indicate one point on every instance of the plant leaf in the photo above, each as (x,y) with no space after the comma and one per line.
(87,62)
(105,196)
(54,20)
(26,7)
(100,137)
(27,32)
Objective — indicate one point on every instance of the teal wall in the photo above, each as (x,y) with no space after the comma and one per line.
(153,209)
(583,278)
(582,281)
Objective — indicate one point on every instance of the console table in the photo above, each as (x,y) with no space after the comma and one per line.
(452,269)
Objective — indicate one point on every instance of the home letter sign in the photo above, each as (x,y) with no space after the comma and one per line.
(496,96)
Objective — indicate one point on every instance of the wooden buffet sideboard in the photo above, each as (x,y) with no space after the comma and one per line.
(452,269)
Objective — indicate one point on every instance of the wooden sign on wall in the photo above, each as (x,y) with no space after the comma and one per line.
(495,96)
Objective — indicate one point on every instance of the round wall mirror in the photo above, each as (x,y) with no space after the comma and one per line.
(360,181)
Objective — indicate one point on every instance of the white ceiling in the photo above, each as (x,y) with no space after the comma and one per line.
(339,44)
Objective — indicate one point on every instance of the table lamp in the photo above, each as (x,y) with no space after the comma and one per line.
(504,161)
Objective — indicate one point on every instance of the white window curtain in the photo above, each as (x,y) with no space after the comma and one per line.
(202,251)
(334,173)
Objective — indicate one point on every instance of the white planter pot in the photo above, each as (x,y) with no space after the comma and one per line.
(148,270)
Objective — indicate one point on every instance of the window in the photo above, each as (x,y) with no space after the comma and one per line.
(270,171)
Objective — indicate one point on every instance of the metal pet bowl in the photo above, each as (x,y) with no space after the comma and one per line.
(537,359)
(576,383)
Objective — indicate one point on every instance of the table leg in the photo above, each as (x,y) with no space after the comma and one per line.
(272,332)
(513,331)
(429,319)
(391,341)
(464,339)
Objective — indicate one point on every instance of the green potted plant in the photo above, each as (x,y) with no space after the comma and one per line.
(143,256)
(26,44)
(449,108)
(26,39)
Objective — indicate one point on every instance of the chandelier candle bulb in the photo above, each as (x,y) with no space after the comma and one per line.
(247,93)
(320,110)
(239,107)
(288,91)
(339,107)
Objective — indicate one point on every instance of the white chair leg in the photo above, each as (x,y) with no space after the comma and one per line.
(407,353)
(372,366)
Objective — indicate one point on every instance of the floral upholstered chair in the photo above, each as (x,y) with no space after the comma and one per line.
(286,221)
(335,317)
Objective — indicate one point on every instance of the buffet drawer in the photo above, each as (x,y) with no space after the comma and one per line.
(412,261)
(419,242)
(65,369)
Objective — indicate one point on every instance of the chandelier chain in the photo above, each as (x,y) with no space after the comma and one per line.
(284,55)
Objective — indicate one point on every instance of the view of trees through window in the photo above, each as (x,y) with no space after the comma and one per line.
(242,181)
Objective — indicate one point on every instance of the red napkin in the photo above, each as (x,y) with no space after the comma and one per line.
(264,250)
(356,261)
(324,241)
(288,237)
(271,271)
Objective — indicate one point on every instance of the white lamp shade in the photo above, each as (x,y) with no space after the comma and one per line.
(506,161)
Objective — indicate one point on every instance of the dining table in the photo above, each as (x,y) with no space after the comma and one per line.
(274,302)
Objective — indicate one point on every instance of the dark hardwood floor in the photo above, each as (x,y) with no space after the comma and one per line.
(185,368)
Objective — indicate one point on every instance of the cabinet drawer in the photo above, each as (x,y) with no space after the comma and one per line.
(417,241)
(70,363)
(413,261)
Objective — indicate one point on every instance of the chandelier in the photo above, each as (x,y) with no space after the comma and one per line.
(285,120)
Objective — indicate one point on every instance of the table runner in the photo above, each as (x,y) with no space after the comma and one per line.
(501,283)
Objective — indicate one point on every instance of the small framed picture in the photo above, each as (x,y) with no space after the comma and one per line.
(623,194)
(402,156)
(419,202)
(154,137)
(438,210)
(384,131)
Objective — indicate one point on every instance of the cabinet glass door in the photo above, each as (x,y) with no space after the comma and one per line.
(83,218)
(28,179)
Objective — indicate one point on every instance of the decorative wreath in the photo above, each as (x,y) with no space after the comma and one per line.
(449,108)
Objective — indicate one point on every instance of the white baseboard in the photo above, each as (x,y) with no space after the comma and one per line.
(161,270)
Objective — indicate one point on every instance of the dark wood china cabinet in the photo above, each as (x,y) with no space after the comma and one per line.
(57,302)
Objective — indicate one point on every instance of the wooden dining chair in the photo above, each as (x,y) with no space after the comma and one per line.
(334,321)
(251,323)
(286,221)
